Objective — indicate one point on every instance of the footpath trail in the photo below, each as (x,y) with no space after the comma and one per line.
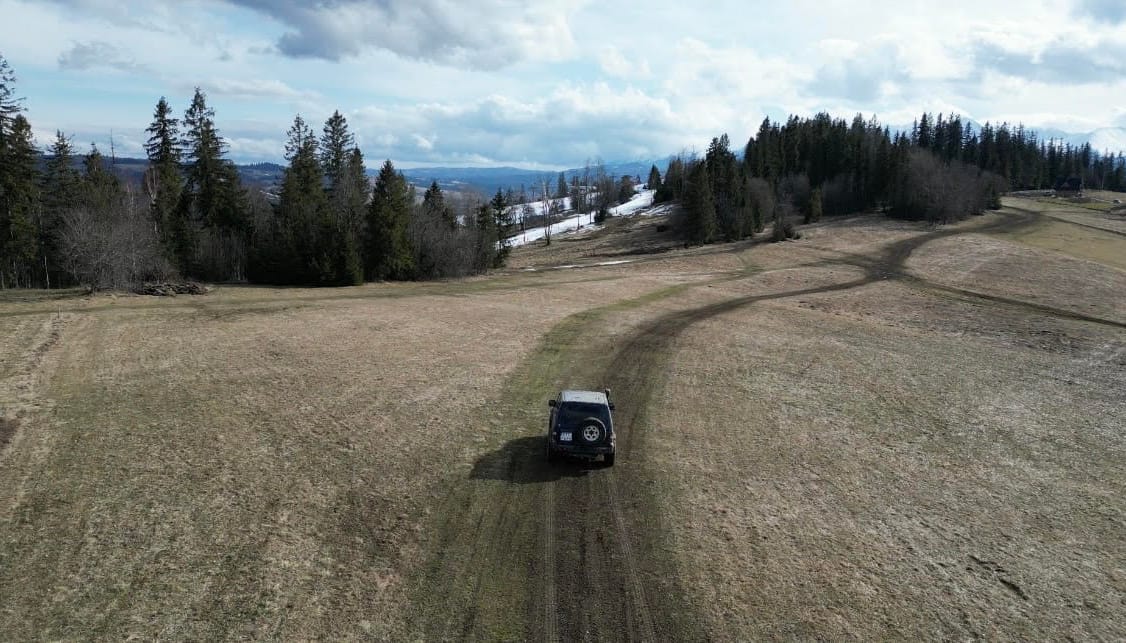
(526,550)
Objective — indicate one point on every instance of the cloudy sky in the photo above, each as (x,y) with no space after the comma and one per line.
(549,83)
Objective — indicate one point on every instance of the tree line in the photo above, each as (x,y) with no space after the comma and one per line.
(942,170)
(63,222)
(591,190)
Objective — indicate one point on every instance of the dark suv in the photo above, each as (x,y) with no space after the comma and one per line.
(581,425)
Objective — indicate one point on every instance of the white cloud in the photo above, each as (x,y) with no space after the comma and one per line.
(88,55)
(616,65)
(423,143)
(256,89)
(486,34)
(568,124)
(553,82)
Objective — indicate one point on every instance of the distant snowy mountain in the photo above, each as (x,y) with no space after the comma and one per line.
(1104,140)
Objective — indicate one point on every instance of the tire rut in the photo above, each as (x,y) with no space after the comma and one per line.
(599,531)
(637,592)
(550,616)
(20,392)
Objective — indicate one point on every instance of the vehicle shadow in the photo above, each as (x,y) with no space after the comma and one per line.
(523,461)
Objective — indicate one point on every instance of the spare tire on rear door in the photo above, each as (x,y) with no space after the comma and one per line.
(593,430)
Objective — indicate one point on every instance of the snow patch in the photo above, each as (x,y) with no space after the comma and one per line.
(640,205)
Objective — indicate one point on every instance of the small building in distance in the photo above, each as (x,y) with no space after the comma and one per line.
(1072,187)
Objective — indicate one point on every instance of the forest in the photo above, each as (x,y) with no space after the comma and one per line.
(941,171)
(65,222)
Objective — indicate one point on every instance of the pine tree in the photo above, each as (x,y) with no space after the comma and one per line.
(561,187)
(19,204)
(434,205)
(337,144)
(388,247)
(163,182)
(502,223)
(654,182)
(626,189)
(349,203)
(199,198)
(302,206)
(722,174)
(699,206)
(212,205)
(205,150)
(60,179)
(10,104)
(487,238)
(61,189)
(101,189)
(671,187)
(993,199)
(925,135)
(814,214)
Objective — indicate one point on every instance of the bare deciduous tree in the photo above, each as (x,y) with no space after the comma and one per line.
(113,247)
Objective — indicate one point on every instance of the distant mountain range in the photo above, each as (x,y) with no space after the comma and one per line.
(485,180)
(488,180)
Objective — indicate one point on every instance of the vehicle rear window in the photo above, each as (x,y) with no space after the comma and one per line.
(572,413)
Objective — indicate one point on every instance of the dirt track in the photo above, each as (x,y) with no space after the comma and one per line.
(334,523)
(580,551)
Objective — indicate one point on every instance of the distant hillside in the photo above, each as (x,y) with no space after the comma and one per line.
(485,180)
(480,179)
(488,179)
(262,175)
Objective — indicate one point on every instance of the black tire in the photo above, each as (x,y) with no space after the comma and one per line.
(593,431)
(608,460)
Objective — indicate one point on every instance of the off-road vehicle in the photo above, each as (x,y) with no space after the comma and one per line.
(581,425)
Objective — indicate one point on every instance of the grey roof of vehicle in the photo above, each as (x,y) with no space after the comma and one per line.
(590,397)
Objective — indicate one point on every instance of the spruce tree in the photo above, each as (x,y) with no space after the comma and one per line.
(722,174)
(561,187)
(814,213)
(204,149)
(212,204)
(670,189)
(434,206)
(61,190)
(101,189)
(10,104)
(502,223)
(163,181)
(626,189)
(19,205)
(699,206)
(388,247)
(337,144)
(349,200)
(301,207)
(60,178)
(487,238)
(199,198)
(654,182)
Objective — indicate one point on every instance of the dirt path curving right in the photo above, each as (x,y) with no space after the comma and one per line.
(527,550)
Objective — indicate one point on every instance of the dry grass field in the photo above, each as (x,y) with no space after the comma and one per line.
(883,430)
